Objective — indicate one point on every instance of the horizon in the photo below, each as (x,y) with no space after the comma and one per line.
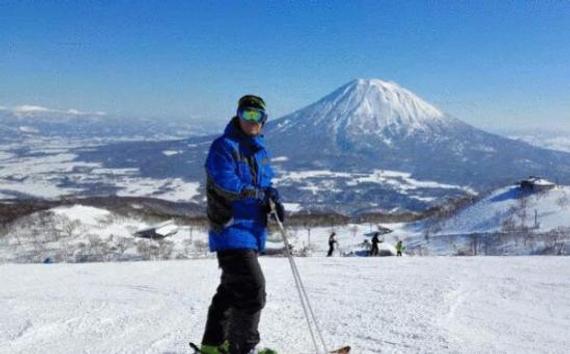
(213,127)
(498,67)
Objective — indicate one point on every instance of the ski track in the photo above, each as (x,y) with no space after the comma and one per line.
(377,305)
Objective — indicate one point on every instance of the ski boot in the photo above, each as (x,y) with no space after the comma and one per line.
(224,348)
(262,351)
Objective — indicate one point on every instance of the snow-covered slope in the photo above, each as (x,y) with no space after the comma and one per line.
(510,207)
(81,233)
(377,305)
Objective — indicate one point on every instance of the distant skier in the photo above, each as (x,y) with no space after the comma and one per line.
(332,242)
(239,191)
(374,251)
(399,248)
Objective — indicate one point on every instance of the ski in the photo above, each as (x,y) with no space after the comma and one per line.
(195,348)
(343,350)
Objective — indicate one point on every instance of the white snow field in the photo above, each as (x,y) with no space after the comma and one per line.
(377,305)
(43,175)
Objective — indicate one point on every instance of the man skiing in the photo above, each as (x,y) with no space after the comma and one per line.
(239,191)
(375,241)
(332,241)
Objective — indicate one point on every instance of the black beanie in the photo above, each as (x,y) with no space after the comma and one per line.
(251,101)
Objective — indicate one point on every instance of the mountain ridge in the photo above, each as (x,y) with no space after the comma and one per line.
(369,144)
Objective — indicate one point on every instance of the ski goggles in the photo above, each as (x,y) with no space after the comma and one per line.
(252,115)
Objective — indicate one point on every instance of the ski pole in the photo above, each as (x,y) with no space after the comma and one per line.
(303,297)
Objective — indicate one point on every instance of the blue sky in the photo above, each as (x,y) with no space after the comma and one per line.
(503,64)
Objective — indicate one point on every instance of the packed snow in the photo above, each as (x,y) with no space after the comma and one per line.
(376,305)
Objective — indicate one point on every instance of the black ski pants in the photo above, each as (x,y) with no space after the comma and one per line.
(236,307)
(374,250)
(331,250)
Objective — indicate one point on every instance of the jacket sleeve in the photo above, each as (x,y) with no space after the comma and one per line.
(221,170)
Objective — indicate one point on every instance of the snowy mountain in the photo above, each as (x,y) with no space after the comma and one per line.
(27,121)
(364,109)
(372,124)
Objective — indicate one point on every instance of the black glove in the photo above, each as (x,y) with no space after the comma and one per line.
(272,194)
(264,196)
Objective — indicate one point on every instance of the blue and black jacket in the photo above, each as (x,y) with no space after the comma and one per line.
(237,166)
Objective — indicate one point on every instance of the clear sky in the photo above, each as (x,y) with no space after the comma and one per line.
(494,64)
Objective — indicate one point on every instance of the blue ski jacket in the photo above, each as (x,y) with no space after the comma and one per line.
(237,165)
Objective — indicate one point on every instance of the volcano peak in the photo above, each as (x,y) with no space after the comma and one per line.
(389,101)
